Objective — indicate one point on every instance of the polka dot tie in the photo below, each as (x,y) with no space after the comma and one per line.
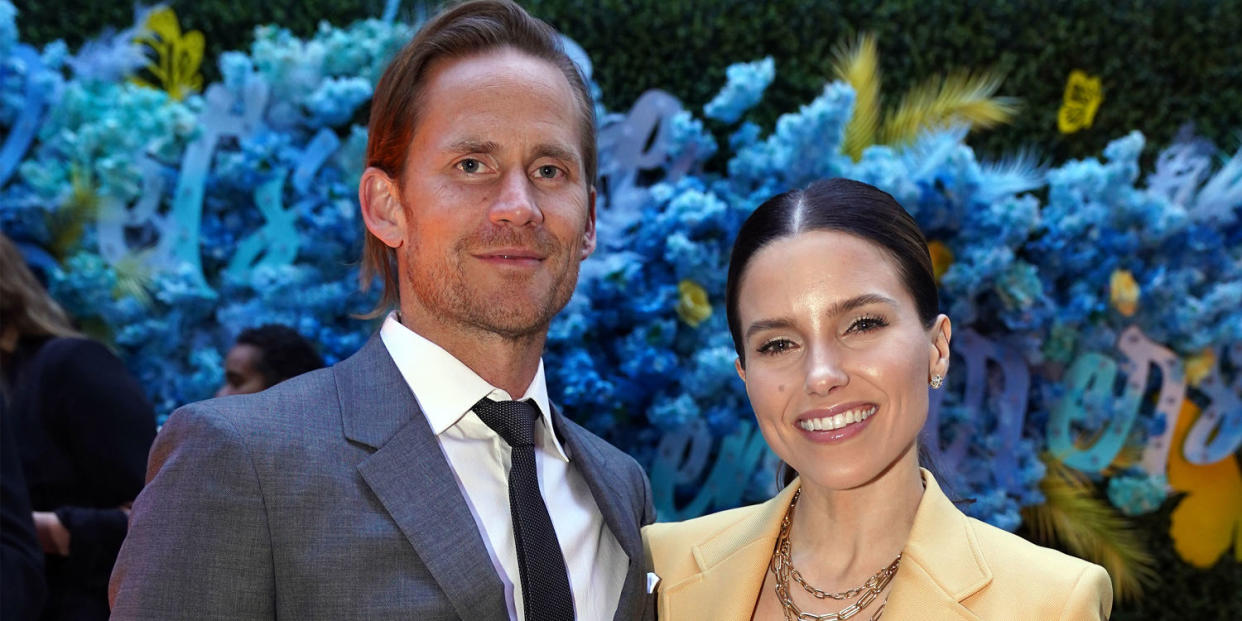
(545,582)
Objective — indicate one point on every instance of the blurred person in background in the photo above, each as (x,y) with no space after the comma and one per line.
(82,427)
(265,356)
(21,559)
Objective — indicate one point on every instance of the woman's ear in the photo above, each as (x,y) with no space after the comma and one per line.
(382,212)
(741,370)
(938,349)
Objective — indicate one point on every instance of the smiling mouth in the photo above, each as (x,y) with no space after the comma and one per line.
(831,423)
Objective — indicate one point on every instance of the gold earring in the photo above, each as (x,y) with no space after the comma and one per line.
(936,381)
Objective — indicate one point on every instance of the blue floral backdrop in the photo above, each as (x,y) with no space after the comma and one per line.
(169,221)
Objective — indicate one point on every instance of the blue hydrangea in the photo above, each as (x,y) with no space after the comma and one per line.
(744,89)
(1032,247)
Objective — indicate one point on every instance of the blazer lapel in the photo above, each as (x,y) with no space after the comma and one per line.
(618,516)
(941,566)
(413,480)
(734,564)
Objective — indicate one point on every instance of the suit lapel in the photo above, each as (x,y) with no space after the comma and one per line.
(618,516)
(413,480)
(942,564)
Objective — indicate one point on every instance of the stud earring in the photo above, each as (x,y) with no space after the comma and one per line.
(936,381)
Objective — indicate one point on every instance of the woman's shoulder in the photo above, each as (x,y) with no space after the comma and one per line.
(1050,578)
(1005,548)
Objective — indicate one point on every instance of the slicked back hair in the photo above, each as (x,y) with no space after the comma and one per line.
(845,206)
(463,30)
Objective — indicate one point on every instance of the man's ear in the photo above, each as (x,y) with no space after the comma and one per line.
(380,199)
(588,236)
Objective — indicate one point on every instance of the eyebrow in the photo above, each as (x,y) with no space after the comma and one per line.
(470,145)
(489,147)
(839,308)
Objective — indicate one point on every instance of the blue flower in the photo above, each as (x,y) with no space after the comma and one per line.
(744,89)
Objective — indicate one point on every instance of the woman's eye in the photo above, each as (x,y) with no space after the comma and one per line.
(470,166)
(548,171)
(867,324)
(776,346)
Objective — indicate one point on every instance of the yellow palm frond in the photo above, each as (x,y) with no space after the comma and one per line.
(961,97)
(67,223)
(859,66)
(1074,515)
(133,278)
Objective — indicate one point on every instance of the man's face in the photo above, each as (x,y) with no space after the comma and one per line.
(498,214)
(241,371)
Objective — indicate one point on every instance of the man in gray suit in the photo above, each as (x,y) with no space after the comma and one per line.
(427,476)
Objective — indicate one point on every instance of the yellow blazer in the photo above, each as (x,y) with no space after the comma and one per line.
(953,567)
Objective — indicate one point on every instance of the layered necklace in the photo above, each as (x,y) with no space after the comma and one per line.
(783,571)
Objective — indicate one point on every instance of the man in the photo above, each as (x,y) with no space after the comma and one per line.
(265,356)
(377,489)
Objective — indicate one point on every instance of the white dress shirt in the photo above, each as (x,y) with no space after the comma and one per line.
(446,390)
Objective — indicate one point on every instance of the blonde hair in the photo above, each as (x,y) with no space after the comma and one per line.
(25,305)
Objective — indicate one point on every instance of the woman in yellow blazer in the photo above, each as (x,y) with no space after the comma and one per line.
(834,313)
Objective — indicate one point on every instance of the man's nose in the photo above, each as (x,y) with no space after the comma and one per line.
(515,203)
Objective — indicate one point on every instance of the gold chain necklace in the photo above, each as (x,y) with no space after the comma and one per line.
(783,570)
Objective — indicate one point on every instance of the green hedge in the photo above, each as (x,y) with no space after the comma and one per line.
(1162,64)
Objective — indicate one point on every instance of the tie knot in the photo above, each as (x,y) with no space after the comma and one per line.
(512,420)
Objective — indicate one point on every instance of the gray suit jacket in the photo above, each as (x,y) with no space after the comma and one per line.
(328,497)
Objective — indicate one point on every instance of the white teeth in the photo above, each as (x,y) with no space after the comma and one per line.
(830,423)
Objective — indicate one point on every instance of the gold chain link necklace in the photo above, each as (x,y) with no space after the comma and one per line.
(783,570)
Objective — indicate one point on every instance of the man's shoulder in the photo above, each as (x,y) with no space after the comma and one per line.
(303,403)
(314,389)
(605,451)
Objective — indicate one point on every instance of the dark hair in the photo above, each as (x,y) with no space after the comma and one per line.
(466,29)
(848,207)
(836,205)
(283,353)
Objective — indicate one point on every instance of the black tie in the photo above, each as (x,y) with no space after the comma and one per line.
(545,583)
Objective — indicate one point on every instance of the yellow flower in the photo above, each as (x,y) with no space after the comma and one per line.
(178,56)
(1082,98)
(693,306)
(1124,292)
(1208,520)
(941,258)
(1200,365)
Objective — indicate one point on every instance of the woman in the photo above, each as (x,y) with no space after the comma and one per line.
(834,314)
(82,427)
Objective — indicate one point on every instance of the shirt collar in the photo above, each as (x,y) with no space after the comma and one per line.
(445,388)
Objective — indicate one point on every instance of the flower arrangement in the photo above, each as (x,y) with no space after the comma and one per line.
(1045,262)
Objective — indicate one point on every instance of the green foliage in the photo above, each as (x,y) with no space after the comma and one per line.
(1162,62)
(1182,591)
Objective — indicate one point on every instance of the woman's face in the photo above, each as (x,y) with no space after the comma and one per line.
(837,360)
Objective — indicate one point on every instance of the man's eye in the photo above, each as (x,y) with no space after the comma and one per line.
(548,171)
(470,166)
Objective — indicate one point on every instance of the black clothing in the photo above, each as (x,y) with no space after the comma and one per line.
(84,428)
(21,558)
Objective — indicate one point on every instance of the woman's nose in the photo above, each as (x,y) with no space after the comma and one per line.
(824,371)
